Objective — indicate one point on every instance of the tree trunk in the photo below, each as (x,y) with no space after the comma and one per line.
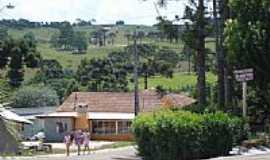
(104,38)
(201,56)
(228,73)
(146,81)
(228,77)
(189,59)
(220,59)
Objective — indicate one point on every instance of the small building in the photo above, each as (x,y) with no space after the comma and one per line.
(107,115)
(14,118)
(10,130)
(30,114)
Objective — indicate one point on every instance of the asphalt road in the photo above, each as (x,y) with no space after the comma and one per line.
(127,153)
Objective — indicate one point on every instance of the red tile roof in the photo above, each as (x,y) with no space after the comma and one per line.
(117,102)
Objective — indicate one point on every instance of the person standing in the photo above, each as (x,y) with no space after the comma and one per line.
(67,141)
(86,141)
(79,140)
(72,136)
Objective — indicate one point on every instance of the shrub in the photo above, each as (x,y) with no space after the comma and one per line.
(174,135)
(31,96)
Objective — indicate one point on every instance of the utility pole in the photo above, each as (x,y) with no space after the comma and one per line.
(136,81)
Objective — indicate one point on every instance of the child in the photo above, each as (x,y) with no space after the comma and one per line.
(67,141)
(86,140)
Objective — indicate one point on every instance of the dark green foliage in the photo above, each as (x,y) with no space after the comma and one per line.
(30,39)
(16,71)
(79,42)
(66,35)
(120,22)
(63,87)
(16,54)
(65,38)
(102,75)
(3,33)
(35,96)
(152,61)
(248,44)
(55,77)
(4,54)
(174,135)
(98,37)
(168,29)
(51,69)
(54,41)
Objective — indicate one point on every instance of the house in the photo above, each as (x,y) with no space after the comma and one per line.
(10,126)
(8,140)
(30,114)
(14,118)
(107,115)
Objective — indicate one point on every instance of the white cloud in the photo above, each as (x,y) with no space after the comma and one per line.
(105,11)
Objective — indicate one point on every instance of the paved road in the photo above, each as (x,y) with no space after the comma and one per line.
(127,153)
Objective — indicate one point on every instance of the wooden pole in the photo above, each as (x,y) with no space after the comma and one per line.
(244,99)
(136,81)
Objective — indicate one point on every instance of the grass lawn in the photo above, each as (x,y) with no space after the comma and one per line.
(178,81)
(41,34)
(69,60)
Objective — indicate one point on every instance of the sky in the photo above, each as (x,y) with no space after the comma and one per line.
(104,11)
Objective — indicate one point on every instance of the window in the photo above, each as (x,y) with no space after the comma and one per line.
(61,127)
(124,127)
(104,127)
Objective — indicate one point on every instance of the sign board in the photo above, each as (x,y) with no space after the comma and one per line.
(244,75)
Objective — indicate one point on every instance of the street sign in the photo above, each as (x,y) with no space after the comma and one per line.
(244,75)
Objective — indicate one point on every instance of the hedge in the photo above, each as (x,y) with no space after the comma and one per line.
(181,135)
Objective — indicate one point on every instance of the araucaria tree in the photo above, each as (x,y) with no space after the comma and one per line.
(152,61)
(102,75)
(65,38)
(79,42)
(16,54)
(248,44)
(199,24)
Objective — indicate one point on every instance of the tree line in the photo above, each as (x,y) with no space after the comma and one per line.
(241,33)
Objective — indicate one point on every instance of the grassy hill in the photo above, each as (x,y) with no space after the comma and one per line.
(67,59)
(71,61)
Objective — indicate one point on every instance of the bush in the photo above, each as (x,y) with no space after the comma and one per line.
(35,97)
(174,135)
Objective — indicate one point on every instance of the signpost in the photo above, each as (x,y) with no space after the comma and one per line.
(244,76)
